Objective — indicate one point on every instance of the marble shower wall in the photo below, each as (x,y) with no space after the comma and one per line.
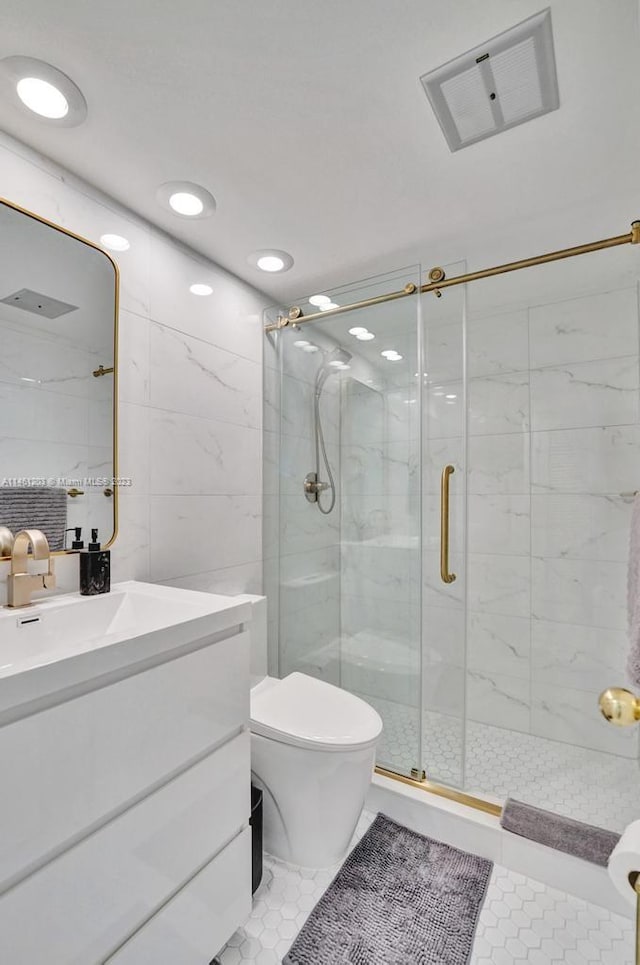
(302,546)
(553,434)
(190,395)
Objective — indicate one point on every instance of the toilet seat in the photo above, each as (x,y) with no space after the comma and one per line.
(304,712)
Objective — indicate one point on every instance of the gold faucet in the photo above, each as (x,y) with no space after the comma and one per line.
(20,583)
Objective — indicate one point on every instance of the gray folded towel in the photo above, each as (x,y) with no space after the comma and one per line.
(564,834)
(31,507)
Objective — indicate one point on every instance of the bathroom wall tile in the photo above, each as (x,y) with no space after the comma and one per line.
(596,460)
(497,343)
(191,455)
(438,453)
(499,464)
(571,526)
(27,412)
(435,592)
(303,528)
(598,326)
(130,554)
(230,318)
(583,592)
(372,616)
(498,699)
(444,350)
(202,533)
(53,365)
(499,584)
(499,403)
(499,644)
(297,457)
(431,522)
(391,520)
(133,358)
(499,524)
(308,578)
(559,713)
(578,657)
(191,376)
(598,393)
(230,581)
(133,439)
(385,572)
(443,634)
(444,417)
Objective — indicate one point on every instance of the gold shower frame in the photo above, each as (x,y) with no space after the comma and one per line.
(116,272)
(437,282)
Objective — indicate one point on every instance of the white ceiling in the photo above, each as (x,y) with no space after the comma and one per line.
(306,120)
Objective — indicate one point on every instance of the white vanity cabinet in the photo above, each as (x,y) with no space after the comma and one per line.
(124,814)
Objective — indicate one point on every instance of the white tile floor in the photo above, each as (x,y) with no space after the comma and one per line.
(522,921)
(498,763)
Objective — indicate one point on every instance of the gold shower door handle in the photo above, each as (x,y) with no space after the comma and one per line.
(445,575)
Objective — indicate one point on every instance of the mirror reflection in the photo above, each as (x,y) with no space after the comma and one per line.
(58,310)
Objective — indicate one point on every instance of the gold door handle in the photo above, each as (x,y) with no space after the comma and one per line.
(619,706)
(445,575)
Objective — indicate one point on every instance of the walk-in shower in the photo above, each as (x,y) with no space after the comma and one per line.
(526,384)
(335,362)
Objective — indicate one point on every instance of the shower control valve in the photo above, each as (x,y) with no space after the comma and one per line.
(312,487)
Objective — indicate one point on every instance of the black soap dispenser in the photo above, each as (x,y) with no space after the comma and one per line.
(95,568)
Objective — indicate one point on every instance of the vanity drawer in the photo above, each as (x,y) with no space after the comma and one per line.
(77,764)
(194,925)
(81,907)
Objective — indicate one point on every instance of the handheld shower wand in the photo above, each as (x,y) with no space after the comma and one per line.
(313,487)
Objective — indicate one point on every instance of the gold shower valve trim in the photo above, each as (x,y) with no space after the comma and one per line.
(619,706)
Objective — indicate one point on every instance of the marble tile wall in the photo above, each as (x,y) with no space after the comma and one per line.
(190,395)
(553,408)
(302,546)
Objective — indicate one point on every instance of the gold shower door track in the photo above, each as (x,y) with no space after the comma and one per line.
(438,282)
(296,317)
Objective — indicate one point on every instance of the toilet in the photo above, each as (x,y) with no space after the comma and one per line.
(313,749)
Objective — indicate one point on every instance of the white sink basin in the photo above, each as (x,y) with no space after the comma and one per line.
(69,639)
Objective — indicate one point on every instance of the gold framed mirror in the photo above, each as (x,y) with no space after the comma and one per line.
(58,383)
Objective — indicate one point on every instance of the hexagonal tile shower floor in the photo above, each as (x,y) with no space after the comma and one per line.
(523,922)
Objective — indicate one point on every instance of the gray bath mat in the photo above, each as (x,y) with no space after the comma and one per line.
(564,834)
(399,899)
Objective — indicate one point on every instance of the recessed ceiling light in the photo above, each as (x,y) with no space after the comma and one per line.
(319,300)
(271,260)
(199,289)
(301,343)
(45,90)
(451,397)
(329,306)
(358,331)
(388,353)
(336,364)
(343,367)
(42,98)
(185,203)
(365,337)
(310,348)
(394,358)
(114,242)
(186,199)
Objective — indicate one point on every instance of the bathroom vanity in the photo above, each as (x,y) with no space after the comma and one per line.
(125,802)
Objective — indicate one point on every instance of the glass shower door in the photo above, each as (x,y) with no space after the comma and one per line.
(444,534)
(350,559)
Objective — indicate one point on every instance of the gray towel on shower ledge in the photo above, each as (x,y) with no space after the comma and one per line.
(584,841)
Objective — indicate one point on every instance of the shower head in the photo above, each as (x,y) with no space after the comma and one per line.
(332,363)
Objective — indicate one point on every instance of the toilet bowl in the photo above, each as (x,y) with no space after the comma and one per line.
(313,749)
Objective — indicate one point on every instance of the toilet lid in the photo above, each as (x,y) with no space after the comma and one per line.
(306,712)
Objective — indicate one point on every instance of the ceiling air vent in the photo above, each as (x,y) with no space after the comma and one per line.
(504,82)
